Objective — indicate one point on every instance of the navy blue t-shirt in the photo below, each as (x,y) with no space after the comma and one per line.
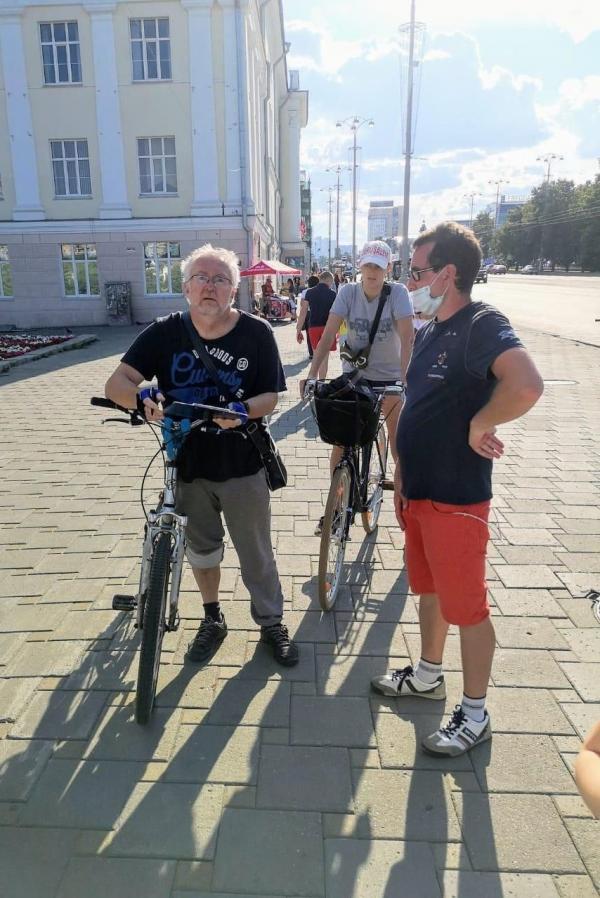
(247,361)
(449,380)
(320,300)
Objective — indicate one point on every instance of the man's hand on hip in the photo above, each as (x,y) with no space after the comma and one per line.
(484,442)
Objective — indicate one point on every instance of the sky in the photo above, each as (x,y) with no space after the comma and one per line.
(497,86)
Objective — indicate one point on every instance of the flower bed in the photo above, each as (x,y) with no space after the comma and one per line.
(12,345)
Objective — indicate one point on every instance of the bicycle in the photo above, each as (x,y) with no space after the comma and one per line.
(357,483)
(163,545)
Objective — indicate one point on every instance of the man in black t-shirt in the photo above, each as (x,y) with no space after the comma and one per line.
(220,469)
(317,303)
(469,373)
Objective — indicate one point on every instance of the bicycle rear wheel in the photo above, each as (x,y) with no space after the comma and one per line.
(373,468)
(153,627)
(333,537)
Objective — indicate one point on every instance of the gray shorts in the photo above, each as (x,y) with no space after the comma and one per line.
(245,504)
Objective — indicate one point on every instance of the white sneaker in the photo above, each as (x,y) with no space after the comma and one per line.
(460,735)
(404,683)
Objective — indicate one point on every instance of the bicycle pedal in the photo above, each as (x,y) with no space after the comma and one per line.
(124,603)
(387,485)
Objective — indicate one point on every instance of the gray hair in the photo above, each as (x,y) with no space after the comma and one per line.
(326,276)
(208,251)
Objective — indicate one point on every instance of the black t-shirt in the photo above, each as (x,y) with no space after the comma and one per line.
(247,361)
(448,380)
(320,300)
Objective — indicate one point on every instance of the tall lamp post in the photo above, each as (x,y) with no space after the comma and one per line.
(354,123)
(330,204)
(338,169)
(498,182)
(547,159)
(471,196)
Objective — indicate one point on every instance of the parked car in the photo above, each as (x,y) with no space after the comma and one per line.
(497,269)
(482,275)
(528,269)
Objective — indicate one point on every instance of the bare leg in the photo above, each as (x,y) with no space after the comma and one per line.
(477,644)
(322,374)
(392,406)
(335,457)
(434,628)
(208,580)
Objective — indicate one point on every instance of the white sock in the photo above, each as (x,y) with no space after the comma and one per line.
(427,672)
(474,708)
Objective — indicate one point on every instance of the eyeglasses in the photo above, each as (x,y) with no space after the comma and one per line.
(219,280)
(416,273)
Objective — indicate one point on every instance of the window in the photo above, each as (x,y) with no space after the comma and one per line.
(71,168)
(158,168)
(150,49)
(80,269)
(6,285)
(60,52)
(162,268)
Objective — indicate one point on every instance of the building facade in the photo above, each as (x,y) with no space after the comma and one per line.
(130,133)
(384,220)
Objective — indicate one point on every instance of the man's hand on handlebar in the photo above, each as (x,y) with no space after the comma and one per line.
(227,423)
(149,403)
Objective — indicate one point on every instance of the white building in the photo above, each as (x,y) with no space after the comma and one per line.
(385,220)
(131,133)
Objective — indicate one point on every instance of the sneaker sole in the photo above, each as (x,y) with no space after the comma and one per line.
(198,659)
(434,753)
(391,693)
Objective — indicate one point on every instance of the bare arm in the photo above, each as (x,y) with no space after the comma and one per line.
(406,332)
(519,388)
(587,770)
(301,318)
(122,385)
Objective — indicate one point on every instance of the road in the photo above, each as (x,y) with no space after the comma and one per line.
(552,304)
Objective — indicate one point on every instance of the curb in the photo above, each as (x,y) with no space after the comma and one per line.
(45,351)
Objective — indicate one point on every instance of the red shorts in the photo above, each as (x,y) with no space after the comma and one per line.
(315,334)
(445,554)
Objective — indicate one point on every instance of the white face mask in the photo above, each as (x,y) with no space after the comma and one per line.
(424,302)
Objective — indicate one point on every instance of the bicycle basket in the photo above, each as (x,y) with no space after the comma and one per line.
(350,418)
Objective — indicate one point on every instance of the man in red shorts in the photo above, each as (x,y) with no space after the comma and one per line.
(469,373)
(318,302)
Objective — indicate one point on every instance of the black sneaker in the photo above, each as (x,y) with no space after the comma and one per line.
(284,650)
(207,640)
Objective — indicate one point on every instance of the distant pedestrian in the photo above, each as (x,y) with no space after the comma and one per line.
(318,301)
(312,281)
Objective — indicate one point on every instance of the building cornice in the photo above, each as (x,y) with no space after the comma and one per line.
(123,225)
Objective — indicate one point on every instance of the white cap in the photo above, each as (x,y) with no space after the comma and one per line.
(376,252)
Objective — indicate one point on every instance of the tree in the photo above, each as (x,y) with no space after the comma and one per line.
(483,228)
(588,224)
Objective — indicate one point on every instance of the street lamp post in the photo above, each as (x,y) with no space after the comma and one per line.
(338,170)
(354,123)
(330,204)
(471,196)
(498,182)
(548,159)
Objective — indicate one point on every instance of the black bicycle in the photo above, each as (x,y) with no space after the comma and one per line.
(163,549)
(356,424)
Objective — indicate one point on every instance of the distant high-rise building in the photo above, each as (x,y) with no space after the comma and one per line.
(385,219)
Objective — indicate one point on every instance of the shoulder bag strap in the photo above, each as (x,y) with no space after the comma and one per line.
(201,353)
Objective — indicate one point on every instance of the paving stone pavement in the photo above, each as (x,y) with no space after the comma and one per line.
(252,780)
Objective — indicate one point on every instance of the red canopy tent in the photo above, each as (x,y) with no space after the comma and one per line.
(268,267)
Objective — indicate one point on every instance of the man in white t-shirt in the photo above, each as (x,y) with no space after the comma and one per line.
(356,304)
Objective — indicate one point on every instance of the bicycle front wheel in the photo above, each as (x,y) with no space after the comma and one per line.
(153,628)
(333,537)
(373,468)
